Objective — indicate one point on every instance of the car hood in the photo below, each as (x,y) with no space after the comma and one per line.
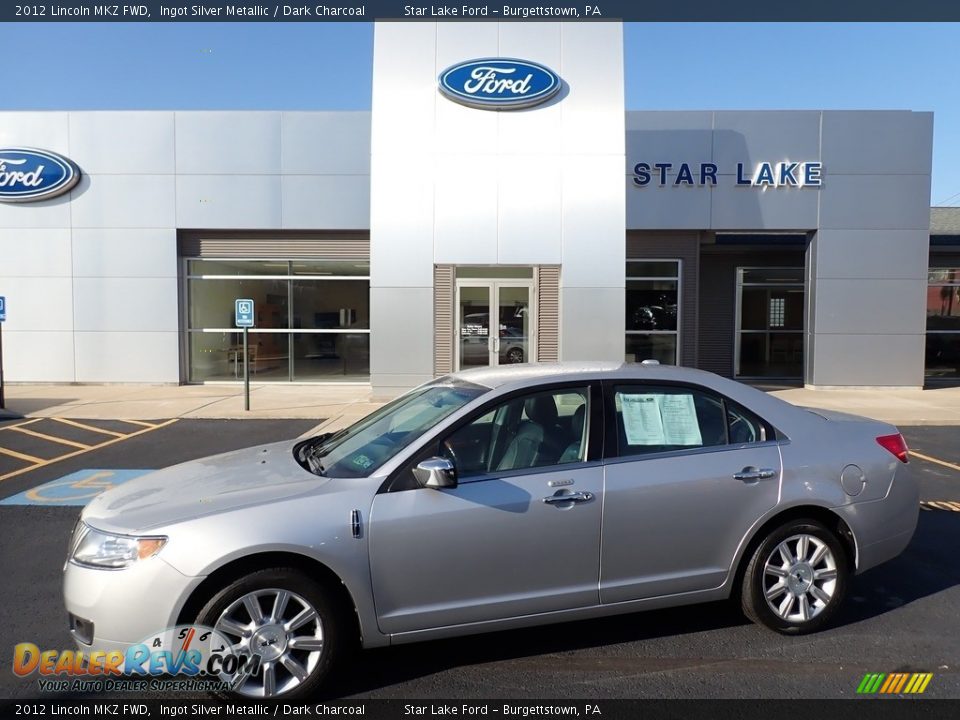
(202,487)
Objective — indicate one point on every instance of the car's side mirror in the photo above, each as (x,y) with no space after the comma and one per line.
(437,473)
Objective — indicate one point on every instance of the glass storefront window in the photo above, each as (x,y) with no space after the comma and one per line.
(327,356)
(770,322)
(662,348)
(309,327)
(943,323)
(236,267)
(211,302)
(329,304)
(338,268)
(652,268)
(652,310)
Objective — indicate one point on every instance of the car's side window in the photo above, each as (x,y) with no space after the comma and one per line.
(529,431)
(743,426)
(659,419)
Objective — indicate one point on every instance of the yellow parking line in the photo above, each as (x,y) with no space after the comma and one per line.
(51,438)
(935,460)
(21,456)
(26,422)
(947,505)
(90,427)
(121,438)
(139,422)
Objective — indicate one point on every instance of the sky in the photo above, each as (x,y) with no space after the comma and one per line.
(328,66)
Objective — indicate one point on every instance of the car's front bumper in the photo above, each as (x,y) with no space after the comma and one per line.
(124,606)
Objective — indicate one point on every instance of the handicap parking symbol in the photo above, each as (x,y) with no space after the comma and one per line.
(76,489)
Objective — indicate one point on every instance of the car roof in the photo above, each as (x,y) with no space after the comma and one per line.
(494,377)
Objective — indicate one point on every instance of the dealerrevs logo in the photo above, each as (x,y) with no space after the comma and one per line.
(499,83)
(28,175)
(193,652)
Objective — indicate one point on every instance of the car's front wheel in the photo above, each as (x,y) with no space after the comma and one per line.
(286,623)
(796,578)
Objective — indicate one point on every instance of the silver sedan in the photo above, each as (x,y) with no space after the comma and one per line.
(494,499)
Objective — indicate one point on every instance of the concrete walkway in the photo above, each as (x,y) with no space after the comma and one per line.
(335,405)
(935,406)
(339,405)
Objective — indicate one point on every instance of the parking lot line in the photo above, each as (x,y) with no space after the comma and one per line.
(51,438)
(38,462)
(25,422)
(947,505)
(140,422)
(935,460)
(65,421)
(20,456)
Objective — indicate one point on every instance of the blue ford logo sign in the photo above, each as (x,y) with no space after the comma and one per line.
(27,174)
(499,83)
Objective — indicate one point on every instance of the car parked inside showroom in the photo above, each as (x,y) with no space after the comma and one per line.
(478,501)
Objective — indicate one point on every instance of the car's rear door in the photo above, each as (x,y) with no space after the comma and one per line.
(504,542)
(686,476)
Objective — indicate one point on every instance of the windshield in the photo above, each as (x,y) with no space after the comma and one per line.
(359,450)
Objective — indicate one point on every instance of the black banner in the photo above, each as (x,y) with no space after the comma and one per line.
(511,10)
(866,708)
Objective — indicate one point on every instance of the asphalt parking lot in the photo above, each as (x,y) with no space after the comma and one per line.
(900,617)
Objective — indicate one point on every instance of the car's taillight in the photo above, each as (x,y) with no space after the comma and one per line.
(896,445)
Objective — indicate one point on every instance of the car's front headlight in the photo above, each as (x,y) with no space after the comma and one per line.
(93,548)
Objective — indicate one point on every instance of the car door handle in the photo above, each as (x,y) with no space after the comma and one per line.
(752,473)
(577,497)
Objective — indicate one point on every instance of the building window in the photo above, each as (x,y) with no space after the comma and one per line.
(312,319)
(653,311)
(770,322)
(943,323)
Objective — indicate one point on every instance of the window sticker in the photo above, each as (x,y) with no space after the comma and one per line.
(658,419)
(641,420)
(679,416)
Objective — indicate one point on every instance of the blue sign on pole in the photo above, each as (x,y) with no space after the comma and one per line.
(243,310)
(3,308)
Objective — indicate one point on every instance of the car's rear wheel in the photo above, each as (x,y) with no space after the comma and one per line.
(796,578)
(287,621)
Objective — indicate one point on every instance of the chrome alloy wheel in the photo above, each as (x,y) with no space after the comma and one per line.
(800,578)
(280,627)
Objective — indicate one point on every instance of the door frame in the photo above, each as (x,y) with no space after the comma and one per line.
(493,286)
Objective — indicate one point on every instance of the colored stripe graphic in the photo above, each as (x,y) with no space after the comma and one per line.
(894,683)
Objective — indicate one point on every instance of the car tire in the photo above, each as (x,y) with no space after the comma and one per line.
(295,658)
(796,578)
(514,355)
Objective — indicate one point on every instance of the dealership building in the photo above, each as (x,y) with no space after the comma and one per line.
(497,204)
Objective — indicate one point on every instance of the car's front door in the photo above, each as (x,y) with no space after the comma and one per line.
(505,542)
(689,473)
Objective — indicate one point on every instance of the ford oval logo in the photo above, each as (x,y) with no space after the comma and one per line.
(27,174)
(499,83)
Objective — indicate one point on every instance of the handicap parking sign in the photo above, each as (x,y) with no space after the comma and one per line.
(3,308)
(243,310)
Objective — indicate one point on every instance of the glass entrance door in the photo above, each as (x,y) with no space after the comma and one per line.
(494,323)
(770,323)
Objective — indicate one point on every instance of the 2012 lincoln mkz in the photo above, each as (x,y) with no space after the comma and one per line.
(493,499)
